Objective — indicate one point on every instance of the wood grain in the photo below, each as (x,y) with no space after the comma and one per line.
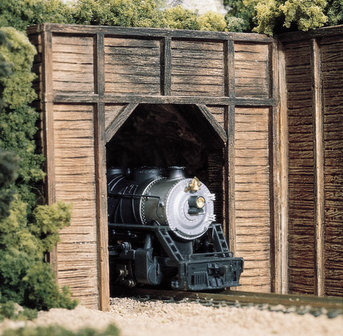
(197,68)
(252,196)
(75,184)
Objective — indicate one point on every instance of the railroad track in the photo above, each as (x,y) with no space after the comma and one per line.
(300,304)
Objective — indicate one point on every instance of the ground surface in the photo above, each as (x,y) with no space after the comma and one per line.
(151,318)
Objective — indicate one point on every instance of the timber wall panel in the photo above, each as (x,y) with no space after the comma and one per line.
(73,63)
(75,185)
(252,196)
(197,68)
(314,76)
(132,66)
(301,179)
(332,74)
(252,73)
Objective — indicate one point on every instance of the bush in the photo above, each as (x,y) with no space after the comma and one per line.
(17,118)
(60,331)
(27,231)
(127,13)
(334,12)
(274,16)
(24,277)
(22,13)
(181,18)
(212,22)
(8,166)
(240,16)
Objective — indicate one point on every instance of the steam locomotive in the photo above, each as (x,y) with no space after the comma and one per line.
(162,232)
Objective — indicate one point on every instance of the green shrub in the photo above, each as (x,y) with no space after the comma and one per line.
(334,11)
(60,331)
(8,166)
(27,231)
(181,18)
(274,16)
(17,118)
(24,277)
(127,13)
(240,16)
(22,13)
(212,21)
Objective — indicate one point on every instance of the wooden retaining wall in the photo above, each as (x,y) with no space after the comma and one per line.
(91,80)
(314,81)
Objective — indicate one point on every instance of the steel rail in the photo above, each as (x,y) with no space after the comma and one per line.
(332,306)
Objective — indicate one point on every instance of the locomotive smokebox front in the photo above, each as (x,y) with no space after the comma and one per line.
(146,197)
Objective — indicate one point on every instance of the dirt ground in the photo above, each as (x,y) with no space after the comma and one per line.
(136,318)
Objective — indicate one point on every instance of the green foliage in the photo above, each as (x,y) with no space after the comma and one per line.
(274,16)
(240,16)
(22,13)
(8,167)
(111,330)
(212,22)
(24,277)
(27,231)
(17,118)
(127,13)
(334,12)
(13,311)
(181,18)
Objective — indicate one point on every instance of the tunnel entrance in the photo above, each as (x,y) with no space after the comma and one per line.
(156,135)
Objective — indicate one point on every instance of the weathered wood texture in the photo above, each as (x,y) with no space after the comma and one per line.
(314,78)
(252,70)
(75,184)
(252,196)
(93,79)
(197,68)
(332,77)
(301,185)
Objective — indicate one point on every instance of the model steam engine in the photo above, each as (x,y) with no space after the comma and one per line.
(162,231)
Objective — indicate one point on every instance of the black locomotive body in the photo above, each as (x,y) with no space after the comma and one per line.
(162,231)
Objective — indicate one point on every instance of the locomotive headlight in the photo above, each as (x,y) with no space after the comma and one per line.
(200,202)
(196,205)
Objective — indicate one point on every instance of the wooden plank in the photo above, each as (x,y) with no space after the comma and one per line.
(319,167)
(166,57)
(48,125)
(101,205)
(252,187)
(332,66)
(231,178)
(282,234)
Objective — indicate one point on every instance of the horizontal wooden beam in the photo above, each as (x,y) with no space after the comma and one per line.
(149,32)
(321,32)
(142,99)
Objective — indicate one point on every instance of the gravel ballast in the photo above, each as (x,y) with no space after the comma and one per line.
(137,318)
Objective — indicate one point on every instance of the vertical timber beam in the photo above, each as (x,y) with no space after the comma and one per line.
(319,167)
(230,150)
(48,124)
(276,247)
(101,188)
(166,66)
(282,232)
